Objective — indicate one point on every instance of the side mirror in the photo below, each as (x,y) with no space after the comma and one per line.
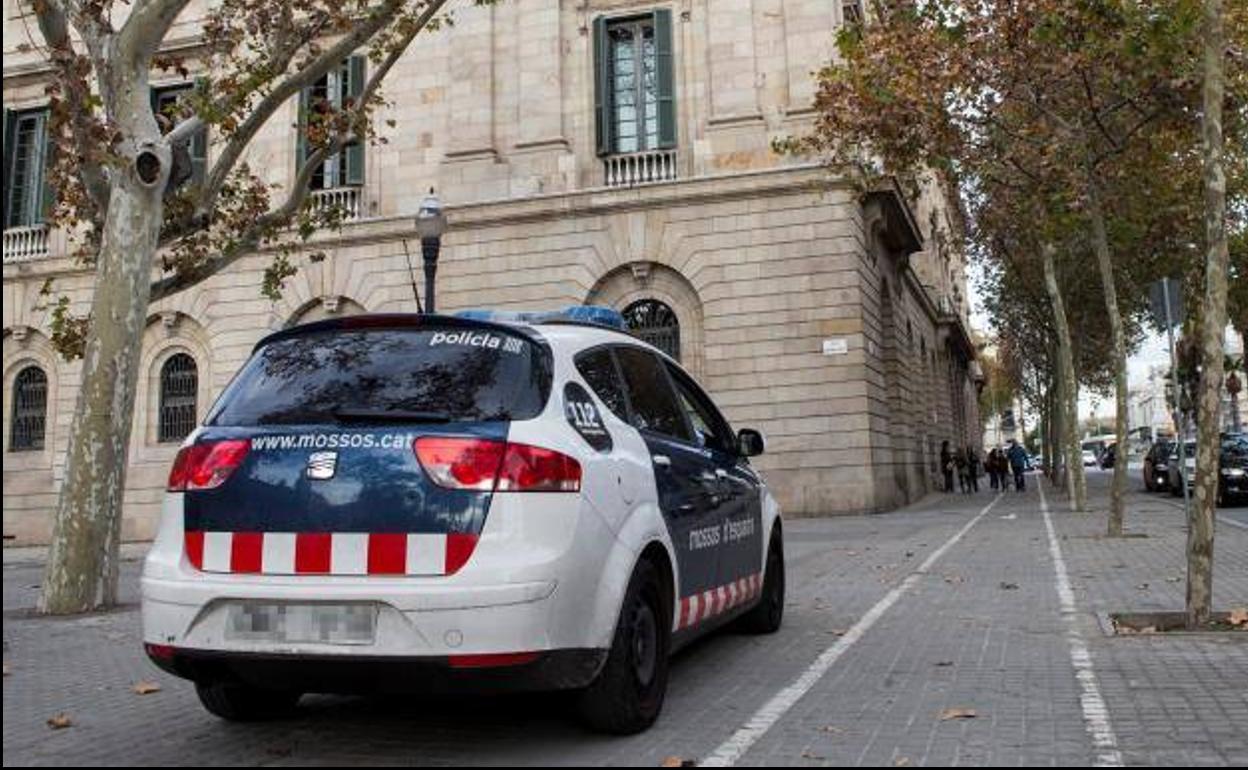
(749,442)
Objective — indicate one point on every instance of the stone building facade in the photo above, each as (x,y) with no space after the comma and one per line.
(833,320)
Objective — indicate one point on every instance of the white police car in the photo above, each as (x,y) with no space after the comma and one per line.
(411,503)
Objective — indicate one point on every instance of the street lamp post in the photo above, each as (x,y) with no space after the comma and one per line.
(430,225)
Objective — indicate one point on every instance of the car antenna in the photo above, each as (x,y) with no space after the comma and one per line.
(412,276)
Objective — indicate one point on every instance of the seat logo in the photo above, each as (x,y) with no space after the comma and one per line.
(321,465)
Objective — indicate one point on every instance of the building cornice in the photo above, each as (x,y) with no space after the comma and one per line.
(787,180)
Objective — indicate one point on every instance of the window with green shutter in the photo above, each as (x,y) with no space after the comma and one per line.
(26,153)
(634,78)
(338,88)
(167,101)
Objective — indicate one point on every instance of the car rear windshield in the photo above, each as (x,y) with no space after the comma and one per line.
(389,375)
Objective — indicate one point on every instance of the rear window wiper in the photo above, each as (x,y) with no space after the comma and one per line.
(389,416)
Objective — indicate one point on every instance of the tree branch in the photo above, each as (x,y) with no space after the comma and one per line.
(327,60)
(141,35)
(54,26)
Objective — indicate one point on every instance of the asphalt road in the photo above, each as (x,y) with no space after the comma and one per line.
(949,633)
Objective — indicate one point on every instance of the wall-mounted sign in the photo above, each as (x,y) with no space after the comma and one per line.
(835,346)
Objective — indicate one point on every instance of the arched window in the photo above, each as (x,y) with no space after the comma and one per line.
(654,322)
(179,386)
(30,410)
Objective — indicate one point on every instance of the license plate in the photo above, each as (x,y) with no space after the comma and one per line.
(301,623)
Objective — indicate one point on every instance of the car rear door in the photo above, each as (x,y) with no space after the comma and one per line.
(680,473)
(737,493)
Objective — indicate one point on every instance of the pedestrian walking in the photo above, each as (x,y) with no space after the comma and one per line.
(959,459)
(972,468)
(1018,464)
(946,465)
(990,465)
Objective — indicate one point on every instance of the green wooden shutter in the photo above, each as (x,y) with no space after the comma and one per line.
(47,195)
(667,77)
(10,120)
(602,89)
(199,145)
(355,150)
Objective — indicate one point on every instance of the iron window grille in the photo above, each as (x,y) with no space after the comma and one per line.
(30,410)
(654,322)
(179,387)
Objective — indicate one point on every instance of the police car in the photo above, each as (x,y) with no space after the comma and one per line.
(419,502)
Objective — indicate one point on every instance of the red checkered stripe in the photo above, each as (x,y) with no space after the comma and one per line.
(329,553)
(699,607)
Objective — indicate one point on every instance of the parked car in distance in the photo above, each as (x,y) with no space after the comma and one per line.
(1178,475)
(1089,458)
(1233,468)
(1157,466)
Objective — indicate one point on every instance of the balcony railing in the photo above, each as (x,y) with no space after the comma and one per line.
(22,244)
(348,199)
(639,168)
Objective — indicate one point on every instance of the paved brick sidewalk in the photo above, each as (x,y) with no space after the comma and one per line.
(959,639)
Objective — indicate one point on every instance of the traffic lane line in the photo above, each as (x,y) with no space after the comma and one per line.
(1222,517)
(732,749)
(1095,713)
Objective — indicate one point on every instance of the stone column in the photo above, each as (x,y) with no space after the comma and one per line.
(472,84)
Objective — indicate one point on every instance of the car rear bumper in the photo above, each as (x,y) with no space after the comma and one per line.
(371,674)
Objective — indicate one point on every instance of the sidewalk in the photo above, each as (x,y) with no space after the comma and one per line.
(982,630)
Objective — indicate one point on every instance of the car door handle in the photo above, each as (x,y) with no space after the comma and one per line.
(662,460)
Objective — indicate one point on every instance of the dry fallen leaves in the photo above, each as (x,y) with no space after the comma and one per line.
(902,762)
(957,713)
(678,762)
(60,721)
(1237,617)
(145,688)
(1007,586)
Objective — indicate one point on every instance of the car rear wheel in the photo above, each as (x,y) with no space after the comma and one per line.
(243,703)
(768,614)
(628,694)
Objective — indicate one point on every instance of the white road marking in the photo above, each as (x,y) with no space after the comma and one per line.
(771,712)
(1232,522)
(1095,713)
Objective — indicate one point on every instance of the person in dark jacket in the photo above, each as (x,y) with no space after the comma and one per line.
(1018,463)
(946,465)
(972,468)
(990,465)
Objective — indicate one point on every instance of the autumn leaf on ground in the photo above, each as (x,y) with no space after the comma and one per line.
(60,721)
(678,762)
(954,579)
(957,713)
(808,754)
(832,729)
(145,688)
(943,663)
(1237,617)
(1008,586)
(902,762)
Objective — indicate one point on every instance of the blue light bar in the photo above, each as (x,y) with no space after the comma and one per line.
(589,314)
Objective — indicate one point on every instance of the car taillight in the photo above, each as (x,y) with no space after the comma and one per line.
(206,465)
(487,465)
(533,469)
